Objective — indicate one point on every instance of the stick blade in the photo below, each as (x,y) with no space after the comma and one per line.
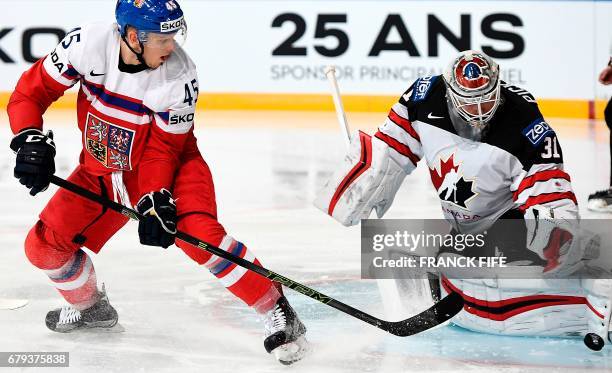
(435,315)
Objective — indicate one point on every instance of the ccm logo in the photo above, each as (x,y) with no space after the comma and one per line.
(40,138)
(178,119)
(172,25)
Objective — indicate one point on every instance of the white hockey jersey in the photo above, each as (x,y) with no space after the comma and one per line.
(119,112)
(517,164)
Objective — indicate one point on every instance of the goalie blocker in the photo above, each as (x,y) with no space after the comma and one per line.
(367,179)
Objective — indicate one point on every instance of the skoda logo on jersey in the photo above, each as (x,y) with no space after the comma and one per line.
(451,185)
(469,73)
(180,119)
(170,26)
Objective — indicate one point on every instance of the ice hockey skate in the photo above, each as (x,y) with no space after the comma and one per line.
(68,318)
(601,201)
(284,333)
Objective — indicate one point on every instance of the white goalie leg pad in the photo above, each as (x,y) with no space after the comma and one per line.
(538,307)
(599,294)
(368,179)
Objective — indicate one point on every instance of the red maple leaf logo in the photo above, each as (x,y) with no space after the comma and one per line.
(445,168)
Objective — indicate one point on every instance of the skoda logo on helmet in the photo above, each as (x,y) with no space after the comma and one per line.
(469,73)
(173,25)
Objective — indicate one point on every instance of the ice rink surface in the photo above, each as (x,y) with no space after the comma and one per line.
(175,317)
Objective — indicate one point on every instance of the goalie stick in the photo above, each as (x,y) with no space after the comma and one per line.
(330,73)
(433,316)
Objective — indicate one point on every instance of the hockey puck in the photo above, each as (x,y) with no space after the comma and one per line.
(593,341)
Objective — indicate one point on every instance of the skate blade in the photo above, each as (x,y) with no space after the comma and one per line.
(118,328)
(104,326)
(94,328)
(289,353)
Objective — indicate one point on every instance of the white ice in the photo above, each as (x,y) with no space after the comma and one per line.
(175,317)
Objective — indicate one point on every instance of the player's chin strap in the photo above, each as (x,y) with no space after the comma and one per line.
(138,55)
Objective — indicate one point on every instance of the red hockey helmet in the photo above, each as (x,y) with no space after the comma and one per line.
(473,84)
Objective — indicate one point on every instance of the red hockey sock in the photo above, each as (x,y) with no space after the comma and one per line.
(69,267)
(250,287)
(256,291)
(76,281)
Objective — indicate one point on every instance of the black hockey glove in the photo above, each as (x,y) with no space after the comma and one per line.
(35,159)
(159,225)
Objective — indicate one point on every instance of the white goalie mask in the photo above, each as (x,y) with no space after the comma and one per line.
(473,85)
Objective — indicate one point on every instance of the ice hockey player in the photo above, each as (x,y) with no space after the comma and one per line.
(135,109)
(601,201)
(491,156)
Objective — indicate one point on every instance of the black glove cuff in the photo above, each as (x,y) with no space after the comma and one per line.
(33,135)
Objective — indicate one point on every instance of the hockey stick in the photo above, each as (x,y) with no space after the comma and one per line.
(435,315)
(330,72)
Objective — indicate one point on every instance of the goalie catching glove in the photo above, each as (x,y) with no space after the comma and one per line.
(159,224)
(556,237)
(35,159)
(368,179)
